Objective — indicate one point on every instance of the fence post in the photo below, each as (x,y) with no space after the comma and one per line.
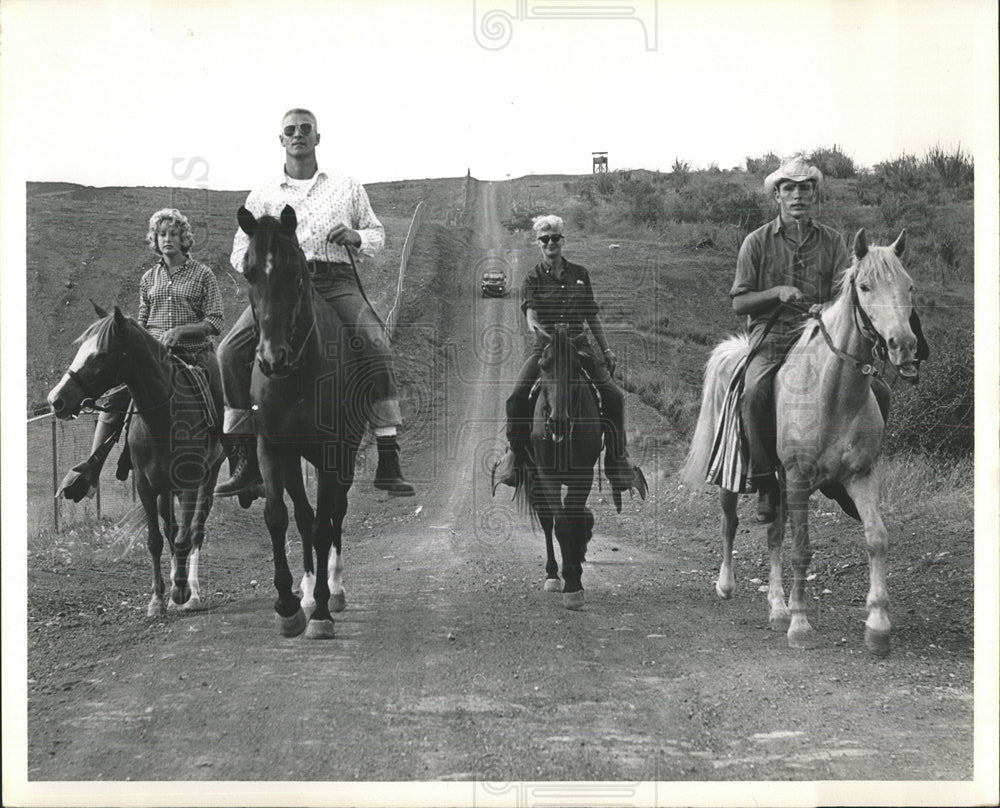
(55,478)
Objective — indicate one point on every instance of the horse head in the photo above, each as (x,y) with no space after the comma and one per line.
(883,292)
(558,366)
(276,272)
(95,369)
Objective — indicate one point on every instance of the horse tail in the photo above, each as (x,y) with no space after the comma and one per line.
(718,373)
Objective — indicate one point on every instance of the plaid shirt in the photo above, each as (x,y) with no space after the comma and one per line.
(186,296)
(326,200)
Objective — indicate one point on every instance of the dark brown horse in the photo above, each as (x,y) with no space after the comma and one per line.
(174,445)
(305,392)
(566,443)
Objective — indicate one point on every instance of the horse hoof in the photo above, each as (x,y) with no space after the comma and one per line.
(878,642)
(156,608)
(319,630)
(180,595)
(291,626)
(725,592)
(780,621)
(338,602)
(194,604)
(552,585)
(573,600)
(308,608)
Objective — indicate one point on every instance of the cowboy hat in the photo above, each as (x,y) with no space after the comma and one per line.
(796,170)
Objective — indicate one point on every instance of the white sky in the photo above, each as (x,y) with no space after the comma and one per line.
(112,93)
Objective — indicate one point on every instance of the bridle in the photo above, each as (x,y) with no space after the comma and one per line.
(864,325)
(293,363)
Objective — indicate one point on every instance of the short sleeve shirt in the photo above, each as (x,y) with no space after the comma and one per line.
(770,257)
(184,296)
(560,297)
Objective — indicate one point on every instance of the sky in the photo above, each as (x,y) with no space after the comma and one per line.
(130,93)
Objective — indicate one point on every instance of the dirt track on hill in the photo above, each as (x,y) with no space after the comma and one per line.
(450,662)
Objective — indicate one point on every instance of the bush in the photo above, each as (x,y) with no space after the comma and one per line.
(955,168)
(833,162)
(763,165)
(522,214)
(937,416)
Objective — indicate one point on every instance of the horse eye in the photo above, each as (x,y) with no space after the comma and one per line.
(864,287)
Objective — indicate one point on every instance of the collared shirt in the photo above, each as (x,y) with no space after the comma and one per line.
(183,296)
(329,199)
(772,256)
(560,297)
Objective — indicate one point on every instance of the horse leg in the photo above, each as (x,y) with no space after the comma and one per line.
(552,580)
(571,532)
(864,492)
(321,622)
(725,585)
(338,595)
(202,508)
(288,612)
(154,541)
(304,518)
(180,592)
(795,499)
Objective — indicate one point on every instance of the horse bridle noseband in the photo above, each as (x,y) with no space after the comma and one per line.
(880,351)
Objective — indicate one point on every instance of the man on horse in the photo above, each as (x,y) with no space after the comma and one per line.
(790,259)
(559,291)
(334,216)
(180,304)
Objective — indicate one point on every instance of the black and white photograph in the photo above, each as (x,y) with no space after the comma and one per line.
(500,403)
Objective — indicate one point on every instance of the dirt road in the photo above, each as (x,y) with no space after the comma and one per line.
(451,663)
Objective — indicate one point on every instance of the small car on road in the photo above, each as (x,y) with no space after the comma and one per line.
(494,283)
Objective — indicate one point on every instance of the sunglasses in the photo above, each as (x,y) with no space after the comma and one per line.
(304,128)
(555,238)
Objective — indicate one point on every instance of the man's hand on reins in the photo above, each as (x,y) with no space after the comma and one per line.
(611,360)
(343,236)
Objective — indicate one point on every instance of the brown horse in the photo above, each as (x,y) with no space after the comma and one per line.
(830,427)
(175,448)
(566,444)
(306,382)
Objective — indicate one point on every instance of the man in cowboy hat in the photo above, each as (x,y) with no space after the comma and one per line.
(792,258)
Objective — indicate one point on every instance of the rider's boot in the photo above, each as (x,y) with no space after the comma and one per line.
(621,472)
(768,495)
(518,429)
(388,475)
(245,471)
(81,480)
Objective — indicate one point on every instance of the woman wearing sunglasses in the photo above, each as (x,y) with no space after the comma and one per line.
(559,291)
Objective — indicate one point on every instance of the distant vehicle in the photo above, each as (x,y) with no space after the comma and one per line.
(494,283)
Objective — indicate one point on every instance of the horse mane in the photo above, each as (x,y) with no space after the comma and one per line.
(879,264)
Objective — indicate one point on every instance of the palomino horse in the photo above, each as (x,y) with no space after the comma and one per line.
(829,428)
(566,443)
(304,409)
(175,448)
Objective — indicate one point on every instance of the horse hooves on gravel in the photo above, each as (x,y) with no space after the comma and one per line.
(573,600)
(291,626)
(156,608)
(804,639)
(780,621)
(180,595)
(194,604)
(319,630)
(308,608)
(878,642)
(338,602)
(552,585)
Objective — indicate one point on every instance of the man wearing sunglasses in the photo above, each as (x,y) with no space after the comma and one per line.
(558,291)
(334,216)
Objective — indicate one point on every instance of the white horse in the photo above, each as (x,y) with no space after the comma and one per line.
(829,428)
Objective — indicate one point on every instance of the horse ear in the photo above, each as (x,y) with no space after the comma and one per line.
(899,245)
(860,244)
(248,224)
(119,317)
(288,219)
(100,312)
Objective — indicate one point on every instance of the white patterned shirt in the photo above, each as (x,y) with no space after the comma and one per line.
(329,199)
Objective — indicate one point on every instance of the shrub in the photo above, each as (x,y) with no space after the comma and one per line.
(937,415)
(764,164)
(955,168)
(833,162)
(522,214)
